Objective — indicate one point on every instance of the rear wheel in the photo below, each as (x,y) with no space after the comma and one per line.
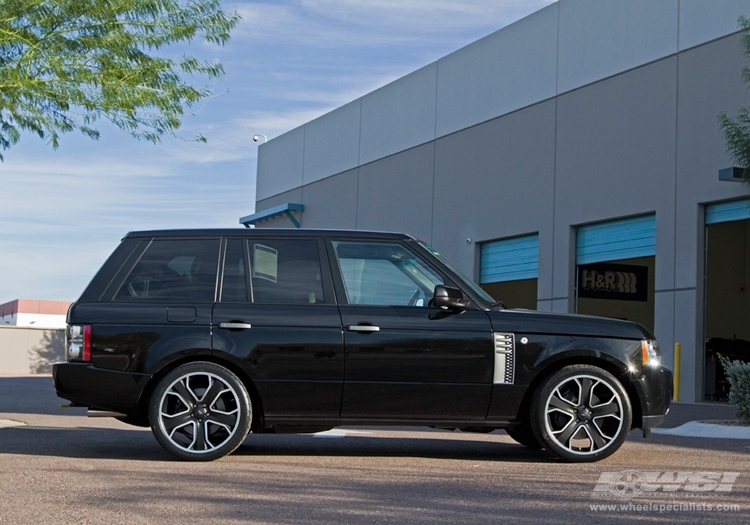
(200,411)
(581,413)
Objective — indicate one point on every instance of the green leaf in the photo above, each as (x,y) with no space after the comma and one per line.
(65,64)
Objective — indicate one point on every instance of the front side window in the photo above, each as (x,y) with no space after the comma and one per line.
(173,271)
(384,274)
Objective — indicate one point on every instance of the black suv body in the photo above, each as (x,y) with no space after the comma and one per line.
(206,335)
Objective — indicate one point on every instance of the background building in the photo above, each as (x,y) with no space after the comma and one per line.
(32,335)
(568,162)
(34,313)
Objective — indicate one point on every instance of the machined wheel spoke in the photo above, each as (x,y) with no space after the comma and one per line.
(187,396)
(562,405)
(586,390)
(608,409)
(174,422)
(564,436)
(214,391)
(226,420)
(199,441)
(598,440)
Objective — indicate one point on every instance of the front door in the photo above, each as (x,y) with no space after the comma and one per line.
(405,358)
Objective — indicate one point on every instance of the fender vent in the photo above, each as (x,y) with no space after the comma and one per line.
(505,350)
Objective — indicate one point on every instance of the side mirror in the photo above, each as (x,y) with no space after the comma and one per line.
(449,298)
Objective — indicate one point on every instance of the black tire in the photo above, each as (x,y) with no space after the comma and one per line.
(581,413)
(200,412)
(523,434)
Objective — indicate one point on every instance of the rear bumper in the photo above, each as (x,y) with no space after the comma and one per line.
(88,386)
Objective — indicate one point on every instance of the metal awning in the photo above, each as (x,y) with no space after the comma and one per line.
(272,213)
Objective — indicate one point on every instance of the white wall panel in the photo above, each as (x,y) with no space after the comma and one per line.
(505,71)
(704,20)
(399,116)
(600,38)
(332,143)
(280,164)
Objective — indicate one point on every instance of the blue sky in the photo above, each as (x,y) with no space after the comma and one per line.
(63,211)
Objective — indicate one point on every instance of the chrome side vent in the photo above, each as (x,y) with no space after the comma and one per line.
(505,351)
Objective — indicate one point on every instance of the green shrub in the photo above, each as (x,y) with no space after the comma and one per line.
(738,374)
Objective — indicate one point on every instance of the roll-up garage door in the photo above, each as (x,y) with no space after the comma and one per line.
(510,260)
(727,212)
(615,240)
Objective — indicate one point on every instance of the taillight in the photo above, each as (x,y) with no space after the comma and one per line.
(78,343)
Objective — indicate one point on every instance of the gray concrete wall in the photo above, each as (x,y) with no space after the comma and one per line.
(616,118)
(563,47)
(30,350)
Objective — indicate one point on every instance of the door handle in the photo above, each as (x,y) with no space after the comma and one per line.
(235,326)
(364,328)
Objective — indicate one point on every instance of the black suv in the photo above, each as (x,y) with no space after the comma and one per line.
(206,335)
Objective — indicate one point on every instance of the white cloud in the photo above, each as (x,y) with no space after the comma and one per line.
(290,61)
(363,23)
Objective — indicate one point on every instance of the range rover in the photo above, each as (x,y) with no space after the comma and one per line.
(208,335)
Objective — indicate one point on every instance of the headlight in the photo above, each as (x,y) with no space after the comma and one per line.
(650,353)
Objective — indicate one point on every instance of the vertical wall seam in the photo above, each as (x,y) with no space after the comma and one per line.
(434,155)
(302,181)
(554,162)
(359,165)
(676,178)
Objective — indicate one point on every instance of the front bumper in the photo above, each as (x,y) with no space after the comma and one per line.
(88,386)
(654,389)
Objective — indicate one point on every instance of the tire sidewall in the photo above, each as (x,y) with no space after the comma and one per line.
(245,407)
(539,416)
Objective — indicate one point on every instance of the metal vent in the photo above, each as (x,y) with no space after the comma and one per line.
(505,350)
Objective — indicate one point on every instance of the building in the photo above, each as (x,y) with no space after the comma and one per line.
(34,313)
(569,162)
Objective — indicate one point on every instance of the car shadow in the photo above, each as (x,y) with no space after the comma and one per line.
(140,445)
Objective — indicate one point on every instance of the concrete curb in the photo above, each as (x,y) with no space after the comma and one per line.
(706,429)
(6,423)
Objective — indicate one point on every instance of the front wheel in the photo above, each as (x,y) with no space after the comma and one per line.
(200,412)
(581,413)
(523,434)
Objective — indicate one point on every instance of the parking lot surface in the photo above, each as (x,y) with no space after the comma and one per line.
(59,467)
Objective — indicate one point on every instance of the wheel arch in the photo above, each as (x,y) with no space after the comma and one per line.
(257,405)
(548,368)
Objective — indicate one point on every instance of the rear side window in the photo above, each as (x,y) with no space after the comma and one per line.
(234,287)
(285,271)
(174,271)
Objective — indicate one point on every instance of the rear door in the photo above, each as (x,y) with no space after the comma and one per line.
(276,318)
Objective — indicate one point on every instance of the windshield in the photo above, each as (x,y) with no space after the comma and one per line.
(469,282)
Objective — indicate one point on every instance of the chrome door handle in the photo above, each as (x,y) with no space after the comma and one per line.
(235,326)
(363,328)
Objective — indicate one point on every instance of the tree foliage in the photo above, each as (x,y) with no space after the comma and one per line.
(737,130)
(64,64)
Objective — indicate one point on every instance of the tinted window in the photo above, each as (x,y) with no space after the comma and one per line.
(234,286)
(174,271)
(286,271)
(384,274)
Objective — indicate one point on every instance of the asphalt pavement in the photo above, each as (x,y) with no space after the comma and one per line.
(59,467)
